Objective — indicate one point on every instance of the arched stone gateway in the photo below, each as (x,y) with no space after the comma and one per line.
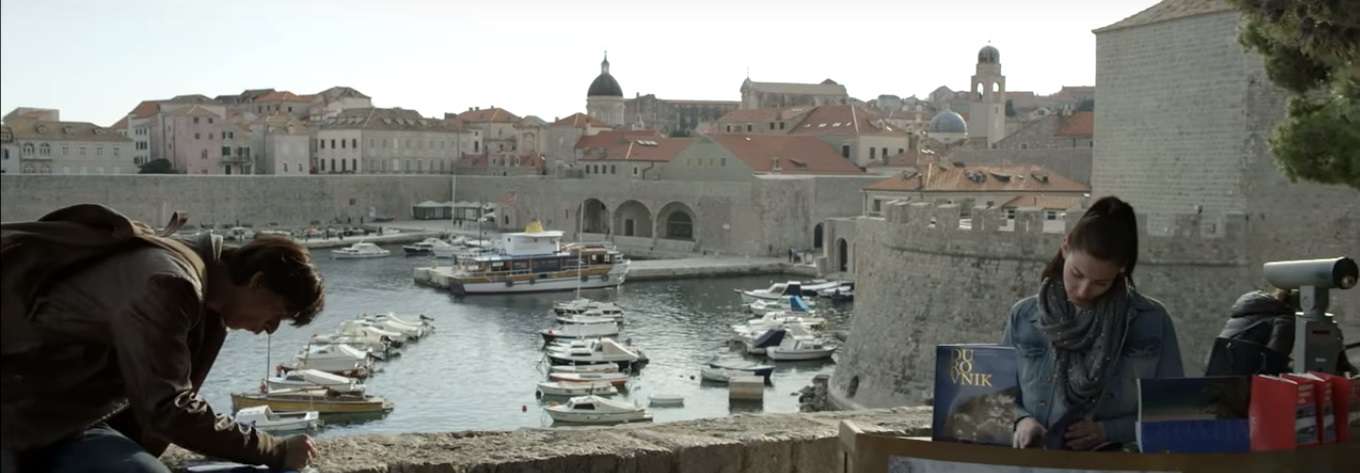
(596,216)
(842,255)
(633,219)
(817,237)
(676,221)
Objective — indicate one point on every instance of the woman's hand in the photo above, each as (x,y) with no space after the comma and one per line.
(1085,434)
(1028,433)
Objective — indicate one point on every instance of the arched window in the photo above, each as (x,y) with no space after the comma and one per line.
(45,150)
(28,149)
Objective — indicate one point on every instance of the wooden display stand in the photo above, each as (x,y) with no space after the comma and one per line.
(880,452)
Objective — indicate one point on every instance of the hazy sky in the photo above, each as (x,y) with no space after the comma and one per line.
(95,60)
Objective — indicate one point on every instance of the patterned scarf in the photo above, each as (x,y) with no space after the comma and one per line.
(1086,343)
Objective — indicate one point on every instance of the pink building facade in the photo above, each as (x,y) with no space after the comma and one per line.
(194,144)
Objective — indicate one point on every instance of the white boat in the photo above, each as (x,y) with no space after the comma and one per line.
(668,400)
(598,351)
(580,306)
(312,378)
(587,318)
(583,329)
(724,371)
(597,410)
(536,261)
(615,378)
(361,249)
(779,319)
(838,290)
(391,323)
(800,348)
(264,418)
(795,304)
(588,368)
(568,388)
(342,360)
(773,293)
(367,331)
(430,246)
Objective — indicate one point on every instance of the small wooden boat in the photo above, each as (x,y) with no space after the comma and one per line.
(667,400)
(264,418)
(321,400)
(591,368)
(567,388)
(597,410)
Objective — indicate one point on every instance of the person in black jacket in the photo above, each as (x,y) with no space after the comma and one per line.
(1267,319)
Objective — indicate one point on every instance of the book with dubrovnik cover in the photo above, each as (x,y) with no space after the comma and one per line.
(975,390)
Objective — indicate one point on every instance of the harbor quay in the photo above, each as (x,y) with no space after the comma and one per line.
(765,443)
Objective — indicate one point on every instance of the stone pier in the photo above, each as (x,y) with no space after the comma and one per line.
(764,443)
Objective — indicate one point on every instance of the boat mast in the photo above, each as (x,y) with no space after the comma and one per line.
(580,231)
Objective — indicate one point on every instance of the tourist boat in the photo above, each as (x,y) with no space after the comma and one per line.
(598,351)
(583,306)
(597,410)
(314,378)
(320,400)
(724,371)
(666,400)
(582,329)
(358,250)
(615,378)
(535,261)
(568,388)
(264,418)
(430,247)
(800,348)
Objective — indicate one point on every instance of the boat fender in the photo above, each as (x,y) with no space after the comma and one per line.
(604,278)
(509,283)
(584,278)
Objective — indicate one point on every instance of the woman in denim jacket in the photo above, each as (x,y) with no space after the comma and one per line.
(1086,339)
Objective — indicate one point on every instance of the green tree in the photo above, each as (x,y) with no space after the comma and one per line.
(1311,49)
(157,166)
(1010,108)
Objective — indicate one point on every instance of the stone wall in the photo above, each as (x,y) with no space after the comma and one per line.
(755,217)
(745,443)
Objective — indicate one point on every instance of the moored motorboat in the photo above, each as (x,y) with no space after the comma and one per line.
(307,378)
(724,371)
(585,368)
(597,410)
(359,250)
(598,351)
(667,400)
(568,388)
(264,418)
(800,348)
(595,328)
(614,378)
(320,400)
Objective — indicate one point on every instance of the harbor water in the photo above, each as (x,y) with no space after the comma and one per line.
(480,368)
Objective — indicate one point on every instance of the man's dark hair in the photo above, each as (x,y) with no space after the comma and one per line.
(285,268)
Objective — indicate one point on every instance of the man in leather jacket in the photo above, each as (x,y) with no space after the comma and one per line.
(109,329)
(1267,319)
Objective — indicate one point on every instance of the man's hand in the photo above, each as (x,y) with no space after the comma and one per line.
(1085,434)
(1028,433)
(300,452)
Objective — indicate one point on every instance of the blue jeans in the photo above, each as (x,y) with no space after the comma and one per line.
(100,449)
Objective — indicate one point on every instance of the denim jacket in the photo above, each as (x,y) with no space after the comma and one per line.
(1150,351)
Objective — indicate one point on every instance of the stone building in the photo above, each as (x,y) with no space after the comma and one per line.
(604,98)
(495,127)
(783,95)
(987,114)
(331,102)
(969,185)
(61,147)
(191,138)
(562,136)
(674,117)
(9,151)
(282,144)
(390,140)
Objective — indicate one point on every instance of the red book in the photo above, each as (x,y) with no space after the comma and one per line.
(1322,403)
(1282,414)
(1345,404)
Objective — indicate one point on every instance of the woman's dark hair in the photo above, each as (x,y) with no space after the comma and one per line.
(285,268)
(1108,231)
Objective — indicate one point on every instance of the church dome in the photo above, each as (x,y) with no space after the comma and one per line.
(948,121)
(605,85)
(989,54)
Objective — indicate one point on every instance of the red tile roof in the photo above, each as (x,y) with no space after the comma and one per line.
(1079,124)
(609,138)
(640,149)
(146,108)
(284,96)
(579,119)
(488,115)
(844,119)
(796,154)
(954,177)
(122,124)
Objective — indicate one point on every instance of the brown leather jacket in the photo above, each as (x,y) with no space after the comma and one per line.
(104,321)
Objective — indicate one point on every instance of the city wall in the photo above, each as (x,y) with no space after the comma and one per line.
(757,217)
(746,443)
(922,284)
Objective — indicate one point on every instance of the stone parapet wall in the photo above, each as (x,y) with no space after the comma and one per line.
(747,443)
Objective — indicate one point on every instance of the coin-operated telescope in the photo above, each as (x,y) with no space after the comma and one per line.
(1316,337)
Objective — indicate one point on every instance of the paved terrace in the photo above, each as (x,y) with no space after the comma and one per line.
(754,443)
